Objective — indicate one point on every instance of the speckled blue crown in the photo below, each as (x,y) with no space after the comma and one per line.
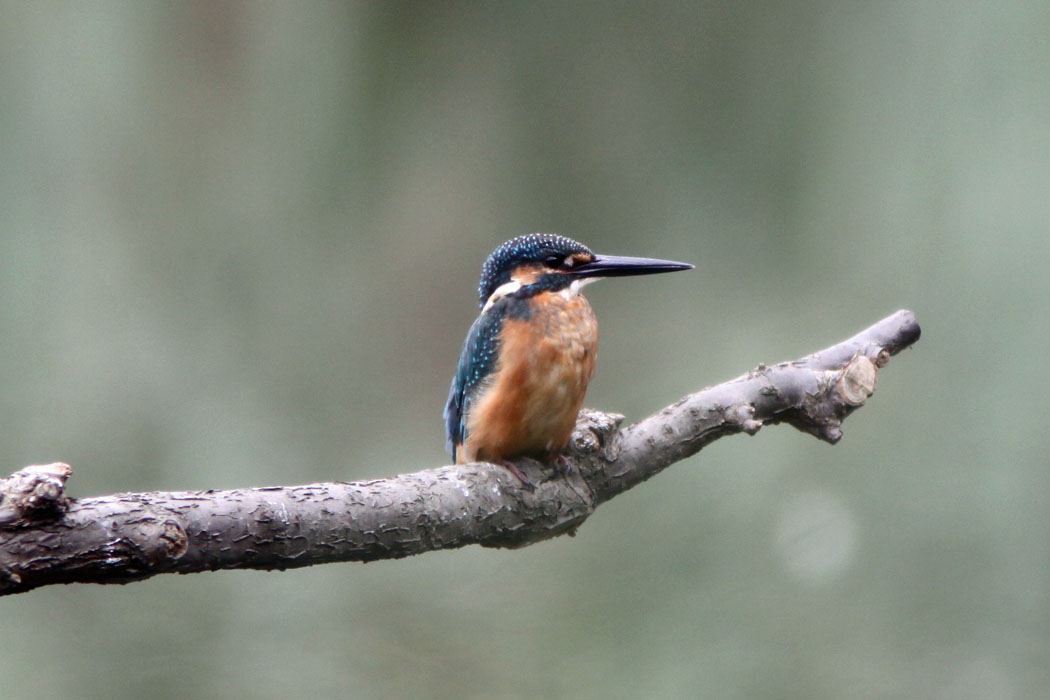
(535,247)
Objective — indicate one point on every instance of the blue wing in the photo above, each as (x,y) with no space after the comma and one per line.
(476,362)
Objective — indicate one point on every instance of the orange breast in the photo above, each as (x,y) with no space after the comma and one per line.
(531,403)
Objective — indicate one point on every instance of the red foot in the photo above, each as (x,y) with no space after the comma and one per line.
(561,463)
(516,471)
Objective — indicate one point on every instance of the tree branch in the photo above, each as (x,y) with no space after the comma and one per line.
(46,538)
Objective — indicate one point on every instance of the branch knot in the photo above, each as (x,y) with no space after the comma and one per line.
(34,493)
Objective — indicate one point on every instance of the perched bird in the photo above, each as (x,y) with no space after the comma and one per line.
(528,357)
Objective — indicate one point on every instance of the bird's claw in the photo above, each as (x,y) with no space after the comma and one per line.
(516,471)
(562,465)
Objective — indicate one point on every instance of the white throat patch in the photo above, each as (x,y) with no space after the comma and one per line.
(509,288)
(574,288)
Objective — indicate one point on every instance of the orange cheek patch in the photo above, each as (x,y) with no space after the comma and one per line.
(581,258)
(526,274)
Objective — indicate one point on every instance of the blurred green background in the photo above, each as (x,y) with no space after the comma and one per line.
(239,244)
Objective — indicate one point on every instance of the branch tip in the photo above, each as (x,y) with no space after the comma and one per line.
(859,379)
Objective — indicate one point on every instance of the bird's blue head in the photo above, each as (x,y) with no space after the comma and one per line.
(545,261)
(543,250)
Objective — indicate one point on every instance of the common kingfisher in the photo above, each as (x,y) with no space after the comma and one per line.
(528,357)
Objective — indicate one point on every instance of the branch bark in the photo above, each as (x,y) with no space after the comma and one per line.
(46,538)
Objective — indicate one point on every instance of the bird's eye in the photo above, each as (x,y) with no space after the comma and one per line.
(553,261)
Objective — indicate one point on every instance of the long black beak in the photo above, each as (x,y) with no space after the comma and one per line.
(613,266)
